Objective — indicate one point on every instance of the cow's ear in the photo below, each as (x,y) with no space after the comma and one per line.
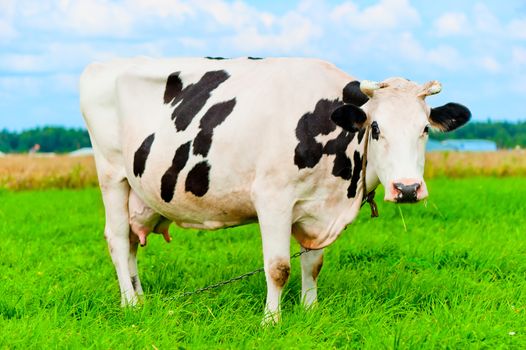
(353,95)
(449,116)
(349,117)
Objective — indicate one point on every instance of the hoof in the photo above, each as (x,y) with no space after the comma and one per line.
(270,319)
(310,305)
(130,301)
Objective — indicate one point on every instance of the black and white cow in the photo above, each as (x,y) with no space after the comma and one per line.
(209,143)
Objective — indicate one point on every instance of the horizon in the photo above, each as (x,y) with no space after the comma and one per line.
(84,128)
(476,49)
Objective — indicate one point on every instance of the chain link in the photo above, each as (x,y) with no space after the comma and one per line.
(231,280)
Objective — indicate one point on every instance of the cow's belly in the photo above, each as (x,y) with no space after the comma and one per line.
(210,212)
(226,202)
(213,212)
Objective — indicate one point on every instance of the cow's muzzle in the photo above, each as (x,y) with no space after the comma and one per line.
(406,191)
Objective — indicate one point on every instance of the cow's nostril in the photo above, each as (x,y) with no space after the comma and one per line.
(406,193)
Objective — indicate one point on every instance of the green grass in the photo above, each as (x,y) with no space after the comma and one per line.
(453,277)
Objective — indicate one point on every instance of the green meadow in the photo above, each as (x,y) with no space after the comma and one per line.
(446,273)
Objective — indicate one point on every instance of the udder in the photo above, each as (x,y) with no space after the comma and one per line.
(144,220)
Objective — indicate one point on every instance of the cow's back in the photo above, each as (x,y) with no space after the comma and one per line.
(192,135)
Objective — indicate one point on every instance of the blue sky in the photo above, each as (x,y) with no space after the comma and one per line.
(477,49)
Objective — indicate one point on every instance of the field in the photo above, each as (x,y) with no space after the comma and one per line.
(22,172)
(448,273)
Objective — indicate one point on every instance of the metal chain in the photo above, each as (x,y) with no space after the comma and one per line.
(231,280)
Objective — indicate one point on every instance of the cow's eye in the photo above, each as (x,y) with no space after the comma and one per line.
(375,130)
(426,129)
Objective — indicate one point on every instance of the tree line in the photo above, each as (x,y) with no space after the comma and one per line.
(504,134)
(49,139)
(62,140)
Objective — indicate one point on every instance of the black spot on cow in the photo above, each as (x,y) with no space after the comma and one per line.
(174,86)
(193,97)
(212,118)
(215,58)
(308,152)
(353,95)
(169,179)
(254,58)
(197,181)
(139,159)
(349,117)
(342,164)
(338,144)
(357,173)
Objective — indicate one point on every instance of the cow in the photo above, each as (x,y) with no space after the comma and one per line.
(294,144)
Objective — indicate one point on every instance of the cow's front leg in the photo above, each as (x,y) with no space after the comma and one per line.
(132,265)
(311,263)
(117,230)
(275,232)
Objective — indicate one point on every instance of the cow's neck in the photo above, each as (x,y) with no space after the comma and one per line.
(371,179)
(369,182)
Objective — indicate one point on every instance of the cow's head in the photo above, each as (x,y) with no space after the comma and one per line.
(399,120)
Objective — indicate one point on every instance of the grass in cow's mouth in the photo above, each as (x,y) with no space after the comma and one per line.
(452,277)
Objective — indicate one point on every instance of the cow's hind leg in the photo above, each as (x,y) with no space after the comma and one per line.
(117,233)
(275,232)
(311,263)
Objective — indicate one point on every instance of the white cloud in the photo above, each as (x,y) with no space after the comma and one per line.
(163,8)
(96,17)
(517,28)
(7,9)
(490,64)
(35,86)
(446,57)
(451,23)
(72,57)
(85,17)
(192,43)
(67,82)
(385,15)
(518,86)
(101,17)
(518,56)
(386,28)
(442,56)
(234,14)
(409,47)
(7,31)
(12,85)
(485,20)
(21,62)
(55,57)
(294,33)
